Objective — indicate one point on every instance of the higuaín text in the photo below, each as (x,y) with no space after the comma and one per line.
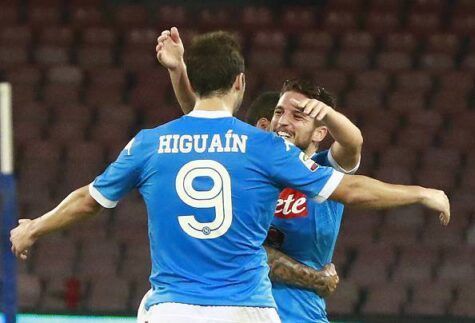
(230,142)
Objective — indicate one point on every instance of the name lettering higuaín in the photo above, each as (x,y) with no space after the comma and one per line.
(201,143)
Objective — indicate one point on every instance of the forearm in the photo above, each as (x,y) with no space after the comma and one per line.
(286,270)
(366,192)
(344,131)
(182,88)
(75,207)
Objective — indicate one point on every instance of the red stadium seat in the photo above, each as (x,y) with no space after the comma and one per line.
(108,294)
(354,60)
(463,80)
(437,62)
(9,15)
(429,299)
(42,15)
(105,94)
(140,38)
(451,102)
(345,298)
(382,23)
(394,61)
(130,16)
(385,5)
(463,23)
(13,36)
(340,21)
(56,93)
(256,17)
(58,255)
(443,43)
(136,264)
(92,57)
(298,19)
(318,40)
(372,80)
(13,56)
(167,16)
(98,260)
(438,157)
(398,236)
(216,18)
(308,59)
(99,37)
(407,101)
(423,23)
(52,55)
(137,59)
(269,39)
(391,156)
(56,36)
(29,75)
(394,174)
(29,291)
(65,74)
(385,299)
(411,80)
(410,217)
(360,41)
(83,17)
(400,42)
(332,80)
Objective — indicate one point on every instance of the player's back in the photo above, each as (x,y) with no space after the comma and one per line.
(210,204)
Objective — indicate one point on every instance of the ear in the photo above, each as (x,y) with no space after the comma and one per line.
(319,134)
(240,82)
(263,124)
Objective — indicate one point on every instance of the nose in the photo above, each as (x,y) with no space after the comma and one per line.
(283,119)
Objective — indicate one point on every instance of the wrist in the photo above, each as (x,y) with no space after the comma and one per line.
(422,195)
(179,68)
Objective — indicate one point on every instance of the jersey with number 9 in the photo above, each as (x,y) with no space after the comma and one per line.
(210,183)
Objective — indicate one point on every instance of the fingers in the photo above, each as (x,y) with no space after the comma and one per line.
(175,36)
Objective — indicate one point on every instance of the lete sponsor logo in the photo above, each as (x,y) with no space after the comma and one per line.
(291,204)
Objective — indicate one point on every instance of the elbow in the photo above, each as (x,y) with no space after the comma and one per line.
(358,140)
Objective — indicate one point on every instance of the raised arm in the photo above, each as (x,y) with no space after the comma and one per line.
(170,52)
(366,192)
(77,206)
(286,270)
(346,150)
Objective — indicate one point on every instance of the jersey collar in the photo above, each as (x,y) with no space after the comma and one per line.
(209,114)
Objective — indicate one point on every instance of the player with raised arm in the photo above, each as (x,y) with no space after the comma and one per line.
(210,183)
(303,229)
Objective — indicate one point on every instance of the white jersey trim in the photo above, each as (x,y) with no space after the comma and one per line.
(209,114)
(101,199)
(337,166)
(329,187)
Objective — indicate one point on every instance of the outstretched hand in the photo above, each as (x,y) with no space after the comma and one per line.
(22,239)
(170,49)
(438,201)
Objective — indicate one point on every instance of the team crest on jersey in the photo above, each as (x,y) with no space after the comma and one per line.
(308,162)
(291,204)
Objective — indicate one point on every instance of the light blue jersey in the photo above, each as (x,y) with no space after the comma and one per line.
(306,231)
(210,183)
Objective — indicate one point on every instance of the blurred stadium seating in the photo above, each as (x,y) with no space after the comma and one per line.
(85,78)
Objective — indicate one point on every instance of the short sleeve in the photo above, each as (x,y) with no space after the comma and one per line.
(290,167)
(121,176)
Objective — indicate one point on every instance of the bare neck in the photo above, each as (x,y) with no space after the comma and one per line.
(215,103)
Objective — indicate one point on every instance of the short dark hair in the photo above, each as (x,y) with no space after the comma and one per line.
(213,61)
(262,107)
(309,88)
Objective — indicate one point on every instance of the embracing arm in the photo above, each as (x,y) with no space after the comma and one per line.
(365,192)
(77,206)
(286,270)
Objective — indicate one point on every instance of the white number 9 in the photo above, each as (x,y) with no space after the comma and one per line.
(219,197)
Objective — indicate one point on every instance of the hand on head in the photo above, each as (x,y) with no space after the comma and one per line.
(312,107)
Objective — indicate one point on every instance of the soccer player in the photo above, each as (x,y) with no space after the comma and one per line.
(210,183)
(303,229)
